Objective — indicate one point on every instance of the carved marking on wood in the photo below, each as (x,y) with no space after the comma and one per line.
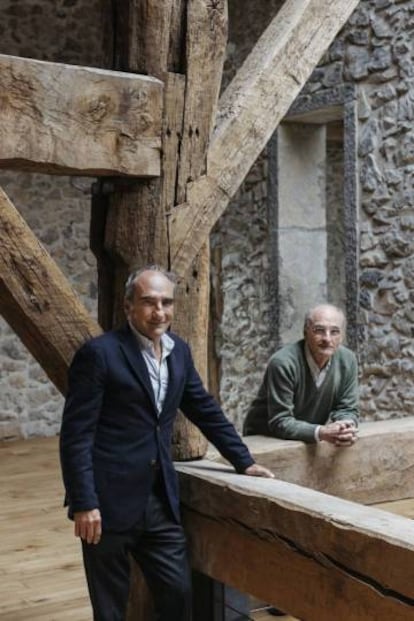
(78,120)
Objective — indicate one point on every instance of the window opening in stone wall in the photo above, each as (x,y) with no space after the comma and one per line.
(312,238)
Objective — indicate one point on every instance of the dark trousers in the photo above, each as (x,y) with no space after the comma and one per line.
(158,545)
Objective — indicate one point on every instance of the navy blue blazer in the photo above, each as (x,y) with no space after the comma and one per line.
(111,431)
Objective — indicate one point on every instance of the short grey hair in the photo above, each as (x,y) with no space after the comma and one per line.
(309,314)
(134,275)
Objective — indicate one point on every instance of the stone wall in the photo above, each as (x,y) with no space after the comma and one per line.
(243,335)
(374,52)
(57,209)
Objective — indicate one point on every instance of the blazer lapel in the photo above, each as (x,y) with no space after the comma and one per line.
(136,362)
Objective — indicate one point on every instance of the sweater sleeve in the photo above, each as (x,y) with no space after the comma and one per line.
(282,380)
(347,405)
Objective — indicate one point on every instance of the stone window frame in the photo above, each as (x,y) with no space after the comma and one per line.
(330,104)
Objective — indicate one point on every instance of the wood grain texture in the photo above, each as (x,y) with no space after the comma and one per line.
(78,120)
(378,468)
(303,551)
(37,300)
(205,50)
(143,37)
(249,112)
(41,573)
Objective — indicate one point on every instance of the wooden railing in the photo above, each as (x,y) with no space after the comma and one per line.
(311,554)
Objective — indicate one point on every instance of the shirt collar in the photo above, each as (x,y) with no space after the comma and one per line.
(314,369)
(146,344)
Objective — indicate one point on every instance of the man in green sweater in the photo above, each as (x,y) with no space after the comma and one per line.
(310,388)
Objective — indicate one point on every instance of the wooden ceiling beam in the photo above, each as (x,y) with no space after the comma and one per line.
(73,120)
(250,110)
(36,299)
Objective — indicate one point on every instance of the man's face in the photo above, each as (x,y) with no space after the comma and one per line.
(324,334)
(151,310)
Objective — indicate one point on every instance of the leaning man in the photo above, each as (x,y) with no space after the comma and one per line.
(310,388)
(125,388)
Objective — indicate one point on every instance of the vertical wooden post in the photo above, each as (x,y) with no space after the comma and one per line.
(129,223)
(181,42)
(205,49)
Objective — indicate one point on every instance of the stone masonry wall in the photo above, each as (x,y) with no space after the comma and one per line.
(376,51)
(243,340)
(56,208)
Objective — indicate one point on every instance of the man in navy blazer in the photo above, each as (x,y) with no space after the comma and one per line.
(125,388)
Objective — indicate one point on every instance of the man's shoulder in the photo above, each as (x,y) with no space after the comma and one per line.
(346,358)
(102,340)
(291,351)
(345,354)
(104,344)
(120,335)
(288,356)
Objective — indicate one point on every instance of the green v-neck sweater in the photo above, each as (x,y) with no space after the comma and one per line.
(289,405)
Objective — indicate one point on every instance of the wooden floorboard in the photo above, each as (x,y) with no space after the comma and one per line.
(41,574)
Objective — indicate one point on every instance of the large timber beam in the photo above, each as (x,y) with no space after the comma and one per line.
(78,120)
(308,553)
(378,468)
(36,299)
(250,110)
(205,46)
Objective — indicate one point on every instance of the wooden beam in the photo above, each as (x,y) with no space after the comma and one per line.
(378,468)
(205,51)
(250,110)
(113,119)
(303,551)
(36,299)
(130,225)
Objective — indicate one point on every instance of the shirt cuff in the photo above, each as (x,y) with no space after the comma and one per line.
(317,438)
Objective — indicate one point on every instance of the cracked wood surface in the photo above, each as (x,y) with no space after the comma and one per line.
(78,120)
(36,299)
(38,584)
(250,110)
(303,551)
(378,468)
(205,47)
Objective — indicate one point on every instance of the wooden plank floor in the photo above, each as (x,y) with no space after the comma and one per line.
(41,574)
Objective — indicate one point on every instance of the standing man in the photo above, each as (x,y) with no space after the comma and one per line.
(121,487)
(310,388)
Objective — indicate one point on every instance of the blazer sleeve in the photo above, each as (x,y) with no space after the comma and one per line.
(86,381)
(203,410)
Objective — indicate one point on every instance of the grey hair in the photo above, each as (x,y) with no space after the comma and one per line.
(152,267)
(309,314)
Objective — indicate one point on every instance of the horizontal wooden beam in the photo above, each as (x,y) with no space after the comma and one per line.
(71,120)
(36,299)
(250,110)
(303,551)
(378,468)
